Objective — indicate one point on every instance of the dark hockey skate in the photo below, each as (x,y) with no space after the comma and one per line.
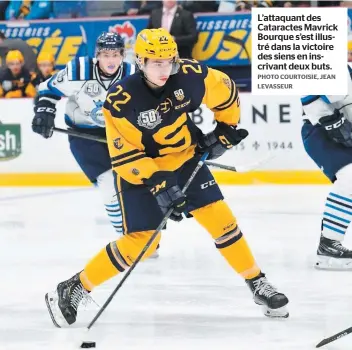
(265,294)
(332,255)
(64,302)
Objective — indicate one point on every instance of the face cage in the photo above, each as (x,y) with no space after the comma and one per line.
(140,61)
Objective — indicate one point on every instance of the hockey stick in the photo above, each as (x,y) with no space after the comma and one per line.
(241,168)
(146,247)
(81,135)
(240,42)
(334,337)
(84,40)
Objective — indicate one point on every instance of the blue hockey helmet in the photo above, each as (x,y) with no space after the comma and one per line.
(109,41)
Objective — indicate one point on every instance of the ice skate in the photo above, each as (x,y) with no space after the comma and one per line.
(265,294)
(332,255)
(63,303)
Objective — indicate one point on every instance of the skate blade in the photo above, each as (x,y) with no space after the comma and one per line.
(51,300)
(281,312)
(333,264)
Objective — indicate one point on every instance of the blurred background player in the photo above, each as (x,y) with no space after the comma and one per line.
(179,22)
(45,68)
(153,159)
(327,139)
(85,82)
(15,78)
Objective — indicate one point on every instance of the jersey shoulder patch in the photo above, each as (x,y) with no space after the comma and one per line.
(80,69)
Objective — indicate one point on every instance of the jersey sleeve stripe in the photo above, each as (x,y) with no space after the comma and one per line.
(49,94)
(306,100)
(127,154)
(128,160)
(231,99)
(83,68)
(325,99)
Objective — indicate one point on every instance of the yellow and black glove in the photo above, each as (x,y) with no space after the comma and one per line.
(223,137)
(163,185)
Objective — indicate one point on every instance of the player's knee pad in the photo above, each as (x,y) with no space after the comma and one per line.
(343,181)
(131,245)
(216,218)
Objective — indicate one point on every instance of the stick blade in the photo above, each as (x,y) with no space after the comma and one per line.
(322,343)
(334,337)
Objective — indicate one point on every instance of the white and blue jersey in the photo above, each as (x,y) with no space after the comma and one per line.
(317,106)
(86,90)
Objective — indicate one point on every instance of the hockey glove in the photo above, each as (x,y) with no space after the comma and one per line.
(43,121)
(338,128)
(221,139)
(167,193)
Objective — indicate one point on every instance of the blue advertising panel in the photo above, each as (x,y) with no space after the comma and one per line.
(69,38)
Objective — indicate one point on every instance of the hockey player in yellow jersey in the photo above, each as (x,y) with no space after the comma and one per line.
(154,148)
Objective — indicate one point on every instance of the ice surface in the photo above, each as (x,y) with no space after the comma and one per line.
(187,299)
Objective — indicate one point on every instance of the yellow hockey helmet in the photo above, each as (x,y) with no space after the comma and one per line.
(45,57)
(14,55)
(156,43)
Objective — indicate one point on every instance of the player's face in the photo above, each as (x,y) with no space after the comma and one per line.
(158,71)
(45,68)
(110,61)
(15,66)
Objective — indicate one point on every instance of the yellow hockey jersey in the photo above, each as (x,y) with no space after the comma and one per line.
(150,130)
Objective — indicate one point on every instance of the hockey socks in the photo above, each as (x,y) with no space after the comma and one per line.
(234,248)
(116,257)
(337,215)
(217,218)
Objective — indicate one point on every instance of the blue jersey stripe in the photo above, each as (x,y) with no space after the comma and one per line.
(86,68)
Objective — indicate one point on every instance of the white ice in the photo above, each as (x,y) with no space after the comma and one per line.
(187,299)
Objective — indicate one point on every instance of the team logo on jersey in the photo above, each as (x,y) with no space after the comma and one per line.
(92,89)
(179,94)
(118,143)
(149,119)
(97,114)
(165,106)
(227,82)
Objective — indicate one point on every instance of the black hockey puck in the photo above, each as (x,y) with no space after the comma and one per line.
(88,344)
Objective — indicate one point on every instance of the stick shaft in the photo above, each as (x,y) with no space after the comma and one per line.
(334,337)
(80,134)
(102,139)
(146,247)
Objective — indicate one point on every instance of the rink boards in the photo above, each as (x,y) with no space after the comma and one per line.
(274,125)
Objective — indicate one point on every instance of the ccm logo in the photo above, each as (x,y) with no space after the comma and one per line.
(207,184)
(46,109)
(336,125)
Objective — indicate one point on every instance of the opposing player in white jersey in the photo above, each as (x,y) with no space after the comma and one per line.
(85,82)
(327,138)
